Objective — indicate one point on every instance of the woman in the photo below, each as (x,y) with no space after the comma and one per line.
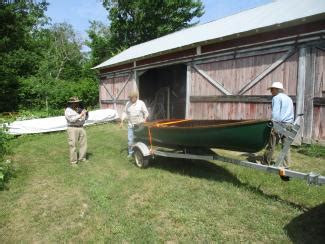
(135,112)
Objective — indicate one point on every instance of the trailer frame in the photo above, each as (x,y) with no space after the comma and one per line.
(143,153)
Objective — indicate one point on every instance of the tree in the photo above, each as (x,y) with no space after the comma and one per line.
(137,21)
(63,71)
(61,55)
(99,43)
(18,20)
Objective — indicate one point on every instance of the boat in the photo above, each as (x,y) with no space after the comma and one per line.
(235,135)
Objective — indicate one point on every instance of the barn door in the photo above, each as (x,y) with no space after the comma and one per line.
(114,90)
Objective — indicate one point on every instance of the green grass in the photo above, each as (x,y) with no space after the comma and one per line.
(108,199)
(312,150)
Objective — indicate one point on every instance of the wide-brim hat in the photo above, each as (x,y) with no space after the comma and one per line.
(133,94)
(277,85)
(74,100)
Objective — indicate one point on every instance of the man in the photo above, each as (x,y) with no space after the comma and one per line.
(135,112)
(76,117)
(282,111)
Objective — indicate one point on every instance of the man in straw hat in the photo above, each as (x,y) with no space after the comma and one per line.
(282,111)
(135,112)
(76,132)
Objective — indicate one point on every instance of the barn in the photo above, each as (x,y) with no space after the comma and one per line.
(221,69)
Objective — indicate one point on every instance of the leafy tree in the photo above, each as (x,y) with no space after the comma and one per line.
(61,55)
(137,21)
(18,19)
(63,72)
(99,35)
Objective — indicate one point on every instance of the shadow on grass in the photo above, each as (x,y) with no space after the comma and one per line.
(211,171)
(89,155)
(195,168)
(308,227)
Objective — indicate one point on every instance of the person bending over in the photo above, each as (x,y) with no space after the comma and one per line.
(282,112)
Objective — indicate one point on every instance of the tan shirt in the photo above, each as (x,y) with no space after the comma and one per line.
(135,113)
(73,118)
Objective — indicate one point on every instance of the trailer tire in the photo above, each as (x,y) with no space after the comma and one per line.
(140,160)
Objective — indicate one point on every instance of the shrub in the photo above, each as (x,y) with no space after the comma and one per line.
(6,169)
(36,94)
(6,172)
(4,143)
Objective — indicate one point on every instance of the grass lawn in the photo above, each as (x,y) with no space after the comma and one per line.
(108,199)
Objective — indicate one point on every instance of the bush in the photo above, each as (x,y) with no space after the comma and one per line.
(36,114)
(6,169)
(37,94)
(6,172)
(4,143)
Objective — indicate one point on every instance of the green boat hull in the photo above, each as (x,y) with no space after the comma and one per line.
(243,136)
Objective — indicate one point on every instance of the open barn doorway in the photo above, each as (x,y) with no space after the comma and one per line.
(164,92)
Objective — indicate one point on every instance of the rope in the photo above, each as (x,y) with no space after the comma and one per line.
(172,122)
(150,138)
(161,124)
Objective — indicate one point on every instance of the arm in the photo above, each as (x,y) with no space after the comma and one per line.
(276,109)
(72,116)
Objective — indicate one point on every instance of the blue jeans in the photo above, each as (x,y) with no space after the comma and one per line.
(130,140)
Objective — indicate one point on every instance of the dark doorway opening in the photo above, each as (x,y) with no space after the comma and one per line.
(164,92)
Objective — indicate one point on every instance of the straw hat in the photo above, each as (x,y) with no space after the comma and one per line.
(277,85)
(133,94)
(74,100)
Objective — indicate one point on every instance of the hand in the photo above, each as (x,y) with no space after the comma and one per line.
(83,112)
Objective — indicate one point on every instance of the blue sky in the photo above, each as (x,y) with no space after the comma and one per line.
(79,12)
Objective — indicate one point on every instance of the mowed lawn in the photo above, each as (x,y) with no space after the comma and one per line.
(109,199)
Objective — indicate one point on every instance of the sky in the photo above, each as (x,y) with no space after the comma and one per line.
(78,13)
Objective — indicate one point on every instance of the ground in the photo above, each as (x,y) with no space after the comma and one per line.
(109,199)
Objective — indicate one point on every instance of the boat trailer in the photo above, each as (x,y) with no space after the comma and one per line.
(143,153)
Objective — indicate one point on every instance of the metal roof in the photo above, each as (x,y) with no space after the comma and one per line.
(268,15)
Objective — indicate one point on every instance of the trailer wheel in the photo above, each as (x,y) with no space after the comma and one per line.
(140,160)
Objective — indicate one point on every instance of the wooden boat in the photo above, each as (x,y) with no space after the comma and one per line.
(235,135)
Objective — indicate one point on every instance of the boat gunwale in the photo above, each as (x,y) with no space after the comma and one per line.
(223,125)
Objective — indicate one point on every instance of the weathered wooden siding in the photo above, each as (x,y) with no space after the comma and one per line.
(319,111)
(115,89)
(233,111)
(235,74)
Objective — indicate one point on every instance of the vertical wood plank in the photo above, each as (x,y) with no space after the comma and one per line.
(309,95)
(188,91)
(300,91)
(320,76)
(322,124)
(134,81)
(317,122)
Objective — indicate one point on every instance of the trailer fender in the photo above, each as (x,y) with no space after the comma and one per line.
(143,149)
